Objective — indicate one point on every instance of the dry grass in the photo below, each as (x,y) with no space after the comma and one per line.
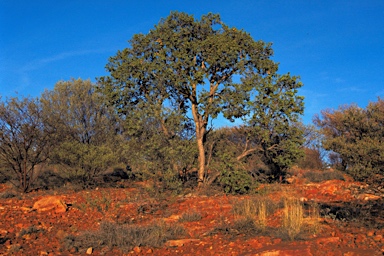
(298,222)
(313,219)
(293,218)
(256,209)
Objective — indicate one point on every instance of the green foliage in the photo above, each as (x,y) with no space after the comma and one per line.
(356,135)
(274,114)
(234,179)
(87,142)
(48,179)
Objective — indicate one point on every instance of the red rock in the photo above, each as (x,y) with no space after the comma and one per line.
(50,203)
(327,240)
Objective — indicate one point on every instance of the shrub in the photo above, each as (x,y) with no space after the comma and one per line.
(100,203)
(49,180)
(319,176)
(124,237)
(190,217)
(236,181)
(7,194)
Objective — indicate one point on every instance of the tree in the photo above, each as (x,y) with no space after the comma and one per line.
(356,135)
(87,129)
(200,69)
(314,152)
(25,139)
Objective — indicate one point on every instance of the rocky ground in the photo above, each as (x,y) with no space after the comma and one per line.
(351,220)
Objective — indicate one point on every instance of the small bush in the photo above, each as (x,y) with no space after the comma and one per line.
(236,181)
(7,194)
(30,230)
(124,237)
(247,226)
(101,204)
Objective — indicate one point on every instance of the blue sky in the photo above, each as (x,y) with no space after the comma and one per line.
(336,47)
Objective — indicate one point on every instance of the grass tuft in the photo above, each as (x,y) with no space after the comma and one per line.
(190,217)
(293,218)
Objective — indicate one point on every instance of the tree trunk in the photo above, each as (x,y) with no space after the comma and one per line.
(201,169)
(200,132)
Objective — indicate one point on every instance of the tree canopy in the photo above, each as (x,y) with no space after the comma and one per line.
(85,127)
(356,135)
(25,138)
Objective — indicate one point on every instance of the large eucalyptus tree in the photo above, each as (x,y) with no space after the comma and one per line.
(201,69)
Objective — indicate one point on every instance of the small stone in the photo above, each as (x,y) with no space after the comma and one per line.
(61,234)
(89,250)
(137,249)
(149,251)
(370,233)
(179,243)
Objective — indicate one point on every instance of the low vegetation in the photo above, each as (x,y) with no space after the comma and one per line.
(125,237)
(253,217)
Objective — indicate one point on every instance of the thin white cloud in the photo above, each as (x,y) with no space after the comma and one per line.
(352,89)
(39,63)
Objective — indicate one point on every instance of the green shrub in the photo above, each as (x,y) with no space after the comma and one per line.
(49,180)
(356,135)
(236,181)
